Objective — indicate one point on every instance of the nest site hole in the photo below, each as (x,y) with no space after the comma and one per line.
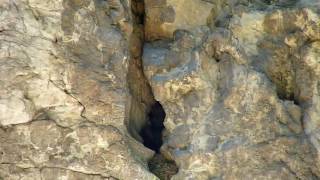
(152,135)
(151,132)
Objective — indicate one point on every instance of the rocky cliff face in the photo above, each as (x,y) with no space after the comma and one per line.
(159,89)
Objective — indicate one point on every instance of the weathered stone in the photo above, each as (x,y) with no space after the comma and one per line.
(85,83)
(222,110)
(63,67)
(165,16)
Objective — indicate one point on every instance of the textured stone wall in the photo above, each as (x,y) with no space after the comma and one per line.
(64,92)
(238,80)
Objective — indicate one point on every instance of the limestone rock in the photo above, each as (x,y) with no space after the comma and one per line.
(238,81)
(64,92)
(163,17)
(234,98)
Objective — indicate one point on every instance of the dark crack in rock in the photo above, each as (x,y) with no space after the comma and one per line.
(159,89)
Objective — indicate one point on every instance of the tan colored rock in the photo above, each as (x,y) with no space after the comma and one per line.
(15,109)
(63,102)
(238,80)
(226,119)
(99,150)
(165,16)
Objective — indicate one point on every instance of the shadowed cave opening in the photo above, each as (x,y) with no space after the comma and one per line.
(146,115)
(152,135)
(151,132)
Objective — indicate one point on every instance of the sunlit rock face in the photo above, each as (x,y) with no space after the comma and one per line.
(63,68)
(241,94)
(237,82)
(163,17)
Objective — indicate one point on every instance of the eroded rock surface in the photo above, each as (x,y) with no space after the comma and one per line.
(240,94)
(64,92)
(238,81)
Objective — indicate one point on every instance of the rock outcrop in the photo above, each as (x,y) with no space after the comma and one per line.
(238,80)
(64,91)
(240,93)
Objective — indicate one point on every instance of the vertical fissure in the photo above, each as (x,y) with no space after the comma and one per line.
(151,133)
(146,115)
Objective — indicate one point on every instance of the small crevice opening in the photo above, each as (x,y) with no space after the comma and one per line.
(151,133)
(146,115)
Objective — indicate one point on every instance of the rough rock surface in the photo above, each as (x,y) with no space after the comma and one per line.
(241,93)
(64,92)
(239,81)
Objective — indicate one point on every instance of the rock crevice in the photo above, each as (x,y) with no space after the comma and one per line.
(146,116)
(159,89)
